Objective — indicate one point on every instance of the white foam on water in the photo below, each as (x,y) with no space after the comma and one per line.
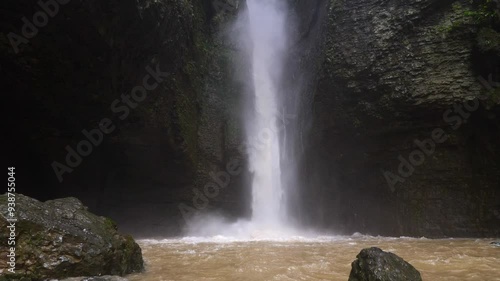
(266,236)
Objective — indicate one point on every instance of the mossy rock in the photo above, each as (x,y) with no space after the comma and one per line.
(61,238)
(488,40)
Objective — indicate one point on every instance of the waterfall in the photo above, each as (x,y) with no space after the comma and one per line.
(263,45)
(267,33)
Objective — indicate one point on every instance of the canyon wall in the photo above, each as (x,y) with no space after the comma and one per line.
(371,83)
(82,67)
(398,143)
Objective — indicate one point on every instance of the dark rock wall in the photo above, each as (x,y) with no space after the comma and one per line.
(368,78)
(388,71)
(66,78)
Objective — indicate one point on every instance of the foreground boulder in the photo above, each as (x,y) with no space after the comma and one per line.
(60,239)
(373,264)
(96,278)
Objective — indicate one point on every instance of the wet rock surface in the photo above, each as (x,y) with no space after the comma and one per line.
(373,264)
(388,73)
(60,238)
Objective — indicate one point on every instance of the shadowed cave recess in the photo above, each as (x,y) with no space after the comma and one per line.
(367,82)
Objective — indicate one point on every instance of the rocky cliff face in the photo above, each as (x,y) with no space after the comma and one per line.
(374,80)
(398,144)
(79,69)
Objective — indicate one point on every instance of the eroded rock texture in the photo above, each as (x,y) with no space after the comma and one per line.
(60,238)
(388,72)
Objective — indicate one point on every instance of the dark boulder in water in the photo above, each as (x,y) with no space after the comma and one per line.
(60,238)
(373,264)
(495,243)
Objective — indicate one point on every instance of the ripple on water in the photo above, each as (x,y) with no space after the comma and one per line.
(305,258)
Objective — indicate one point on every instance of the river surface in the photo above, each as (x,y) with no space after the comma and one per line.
(323,258)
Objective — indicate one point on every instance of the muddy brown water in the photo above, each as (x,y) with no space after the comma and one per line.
(312,259)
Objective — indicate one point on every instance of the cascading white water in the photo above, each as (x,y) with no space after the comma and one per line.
(267,32)
(263,41)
